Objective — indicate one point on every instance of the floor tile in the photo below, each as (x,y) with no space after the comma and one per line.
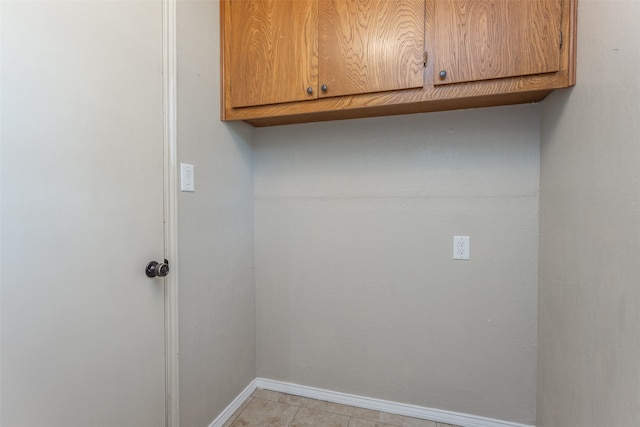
(265,413)
(266,408)
(290,399)
(358,422)
(312,418)
(352,411)
(235,414)
(273,396)
(402,421)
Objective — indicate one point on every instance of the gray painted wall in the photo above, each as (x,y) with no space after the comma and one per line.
(217,315)
(355,286)
(356,289)
(589,298)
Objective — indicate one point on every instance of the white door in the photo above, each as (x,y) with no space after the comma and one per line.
(82,214)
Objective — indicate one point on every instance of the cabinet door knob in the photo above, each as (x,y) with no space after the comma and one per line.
(310,91)
(443,74)
(324,88)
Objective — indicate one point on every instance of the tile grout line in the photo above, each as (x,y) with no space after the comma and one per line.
(294,415)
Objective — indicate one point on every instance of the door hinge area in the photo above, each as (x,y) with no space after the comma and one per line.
(561,39)
(424,58)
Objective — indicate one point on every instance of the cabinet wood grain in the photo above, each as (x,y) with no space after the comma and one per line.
(370,46)
(491,39)
(272,48)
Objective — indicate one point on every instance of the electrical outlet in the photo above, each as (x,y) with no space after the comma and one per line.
(461,247)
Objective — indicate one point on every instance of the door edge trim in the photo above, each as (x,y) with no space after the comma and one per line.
(169,74)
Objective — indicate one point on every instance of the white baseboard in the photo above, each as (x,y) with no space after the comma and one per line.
(438,415)
(235,405)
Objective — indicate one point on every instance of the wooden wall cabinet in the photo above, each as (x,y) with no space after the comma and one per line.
(270,50)
(294,61)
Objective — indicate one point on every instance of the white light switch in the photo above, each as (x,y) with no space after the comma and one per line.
(186,177)
(461,247)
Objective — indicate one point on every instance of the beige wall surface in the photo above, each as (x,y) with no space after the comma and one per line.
(589,293)
(356,288)
(217,316)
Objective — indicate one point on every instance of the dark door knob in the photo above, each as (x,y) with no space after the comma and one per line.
(157,269)
(443,74)
(310,91)
(324,88)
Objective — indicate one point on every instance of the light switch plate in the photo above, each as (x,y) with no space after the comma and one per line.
(187,177)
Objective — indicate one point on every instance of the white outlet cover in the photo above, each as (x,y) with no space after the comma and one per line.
(461,247)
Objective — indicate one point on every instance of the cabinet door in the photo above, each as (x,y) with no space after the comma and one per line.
(274,51)
(370,45)
(492,39)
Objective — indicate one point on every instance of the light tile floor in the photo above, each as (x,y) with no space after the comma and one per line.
(272,409)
